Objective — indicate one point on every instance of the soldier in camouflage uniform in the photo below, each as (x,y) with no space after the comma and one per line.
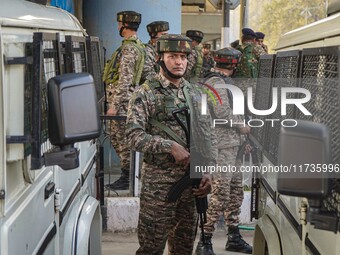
(122,75)
(227,193)
(208,60)
(259,40)
(155,30)
(195,58)
(247,69)
(166,157)
(251,52)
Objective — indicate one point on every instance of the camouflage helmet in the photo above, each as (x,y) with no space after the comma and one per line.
(195,35)
(207,46)
(157,26)
(227,57)
(129,17)
(173,43)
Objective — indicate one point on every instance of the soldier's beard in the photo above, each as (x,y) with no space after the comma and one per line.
(167,72)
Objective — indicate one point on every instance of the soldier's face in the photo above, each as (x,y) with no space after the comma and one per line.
(259,41)
(205,51)
(176,62)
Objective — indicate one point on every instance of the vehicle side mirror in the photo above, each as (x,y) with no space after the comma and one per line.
(303,149)
(306,150)
(72,117)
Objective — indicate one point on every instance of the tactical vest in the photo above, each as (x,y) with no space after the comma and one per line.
(199,63)
(196,71)
(111,74)
(248,65)
(165,105)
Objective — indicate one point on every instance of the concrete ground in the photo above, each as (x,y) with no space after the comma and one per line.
(127,243)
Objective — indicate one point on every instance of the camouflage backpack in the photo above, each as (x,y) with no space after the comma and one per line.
(111,74)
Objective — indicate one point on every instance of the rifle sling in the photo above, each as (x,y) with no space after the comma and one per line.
(167,130)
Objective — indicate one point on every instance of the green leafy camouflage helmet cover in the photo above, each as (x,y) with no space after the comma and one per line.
(173,43)
(227,55)
(129,17)
(158,26)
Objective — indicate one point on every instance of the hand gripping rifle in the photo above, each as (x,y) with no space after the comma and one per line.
(177,189)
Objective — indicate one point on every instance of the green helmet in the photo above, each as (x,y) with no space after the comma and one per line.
(157,26)
(129,17)
(227,57)
(173,43)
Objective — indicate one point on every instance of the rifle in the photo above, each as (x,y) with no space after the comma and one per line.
(177,189)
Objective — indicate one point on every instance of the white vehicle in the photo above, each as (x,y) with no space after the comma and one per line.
(48,124)
(298,214)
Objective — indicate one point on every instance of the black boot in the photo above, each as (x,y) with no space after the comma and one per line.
(121,184)
(206,247)
(236,243)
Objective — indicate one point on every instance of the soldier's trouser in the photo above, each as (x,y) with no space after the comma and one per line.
(160,220)
(119,143)
(222,196)
(232,213)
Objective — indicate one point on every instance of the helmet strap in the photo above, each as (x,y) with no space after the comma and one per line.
(121,31)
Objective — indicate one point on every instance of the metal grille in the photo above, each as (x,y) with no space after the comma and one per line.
(75,53)
(95,64)
(45,66)
(320,75)
(286,74)
(262,96)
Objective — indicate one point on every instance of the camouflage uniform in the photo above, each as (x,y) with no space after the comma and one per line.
(227,194)
(247,70)
(151,68)
(208,63)
(248,66)
(195,64)
(122,74)
(265,48)
(159,219)
(195,58)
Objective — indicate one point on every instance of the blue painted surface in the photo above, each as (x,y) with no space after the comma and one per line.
(100,18)
(64,4)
